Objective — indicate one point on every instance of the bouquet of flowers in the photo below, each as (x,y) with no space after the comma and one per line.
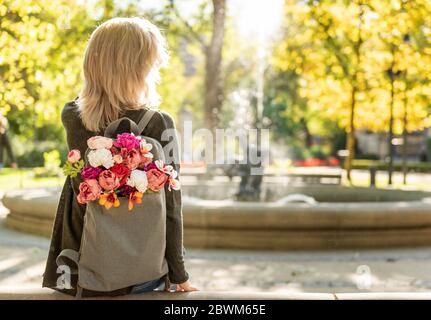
(121,167)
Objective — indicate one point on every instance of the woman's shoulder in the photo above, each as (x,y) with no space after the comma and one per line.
(167,118)
(70,112)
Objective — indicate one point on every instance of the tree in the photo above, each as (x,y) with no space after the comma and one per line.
(213,91)
(352,62)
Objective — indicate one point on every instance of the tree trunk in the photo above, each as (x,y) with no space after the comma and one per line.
(405,137)
(213,58)
(391,121)
(351,139)
(308,137)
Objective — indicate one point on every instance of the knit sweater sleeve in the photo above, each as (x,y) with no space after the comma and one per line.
(174,217)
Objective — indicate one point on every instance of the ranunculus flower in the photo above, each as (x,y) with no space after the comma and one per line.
(132,159)
(89,191)
(88,173)
(100,157)
(109,199)
(138,179)
(108,180)
(121,171)
(99,142)
(156,179)
(74,156)
(118,158)
(127,140)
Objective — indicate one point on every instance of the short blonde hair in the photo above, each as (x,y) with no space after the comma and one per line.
(121,70)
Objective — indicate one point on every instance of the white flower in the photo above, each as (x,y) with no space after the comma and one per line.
(173,174)
(138,179)
(145,146)
(174,184)
(100,157)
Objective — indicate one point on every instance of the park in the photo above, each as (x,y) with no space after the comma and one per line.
(304,134)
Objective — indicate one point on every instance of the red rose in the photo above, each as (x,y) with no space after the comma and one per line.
(121,171)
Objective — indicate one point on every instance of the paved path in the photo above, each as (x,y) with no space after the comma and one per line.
(22,259)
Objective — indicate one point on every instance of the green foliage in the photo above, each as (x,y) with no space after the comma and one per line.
(73,169)
(334,48)
(51,167)
(42,46)
(29,153)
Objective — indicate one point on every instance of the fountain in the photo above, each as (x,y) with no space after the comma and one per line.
(295,217)
(298,197)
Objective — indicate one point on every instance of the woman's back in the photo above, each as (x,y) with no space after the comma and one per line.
(121,71)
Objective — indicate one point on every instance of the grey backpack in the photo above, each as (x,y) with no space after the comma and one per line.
(121,248)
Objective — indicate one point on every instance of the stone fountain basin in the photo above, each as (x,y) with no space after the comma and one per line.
(380,222)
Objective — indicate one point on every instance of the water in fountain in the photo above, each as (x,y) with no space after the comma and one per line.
(298,197)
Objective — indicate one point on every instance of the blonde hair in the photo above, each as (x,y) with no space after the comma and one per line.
(121,70)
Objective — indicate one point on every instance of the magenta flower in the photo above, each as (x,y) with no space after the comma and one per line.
(88,173)
(128,141)
(126,190)
(150,166)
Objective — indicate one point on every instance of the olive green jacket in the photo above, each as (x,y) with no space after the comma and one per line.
(69,219)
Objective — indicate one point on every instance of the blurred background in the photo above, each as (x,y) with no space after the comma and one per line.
(343,88)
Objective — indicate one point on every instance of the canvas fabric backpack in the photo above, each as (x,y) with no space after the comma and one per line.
(122,248)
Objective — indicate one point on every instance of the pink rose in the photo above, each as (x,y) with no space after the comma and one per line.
(156,179)
(89,191)
(88,173)
(128,141)
(132,158)
(99,142)
(109,180)
(74,156)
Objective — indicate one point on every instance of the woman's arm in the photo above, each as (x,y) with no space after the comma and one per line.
(174,216)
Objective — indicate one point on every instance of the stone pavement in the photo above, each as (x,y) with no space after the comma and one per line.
(22,260)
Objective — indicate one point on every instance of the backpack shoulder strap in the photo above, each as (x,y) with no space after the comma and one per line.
(145,120)
(112,128)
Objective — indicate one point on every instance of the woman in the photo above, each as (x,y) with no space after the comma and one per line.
(121,66)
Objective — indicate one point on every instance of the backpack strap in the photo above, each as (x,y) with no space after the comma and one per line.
(111,129)
(145,120)
(70,255)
